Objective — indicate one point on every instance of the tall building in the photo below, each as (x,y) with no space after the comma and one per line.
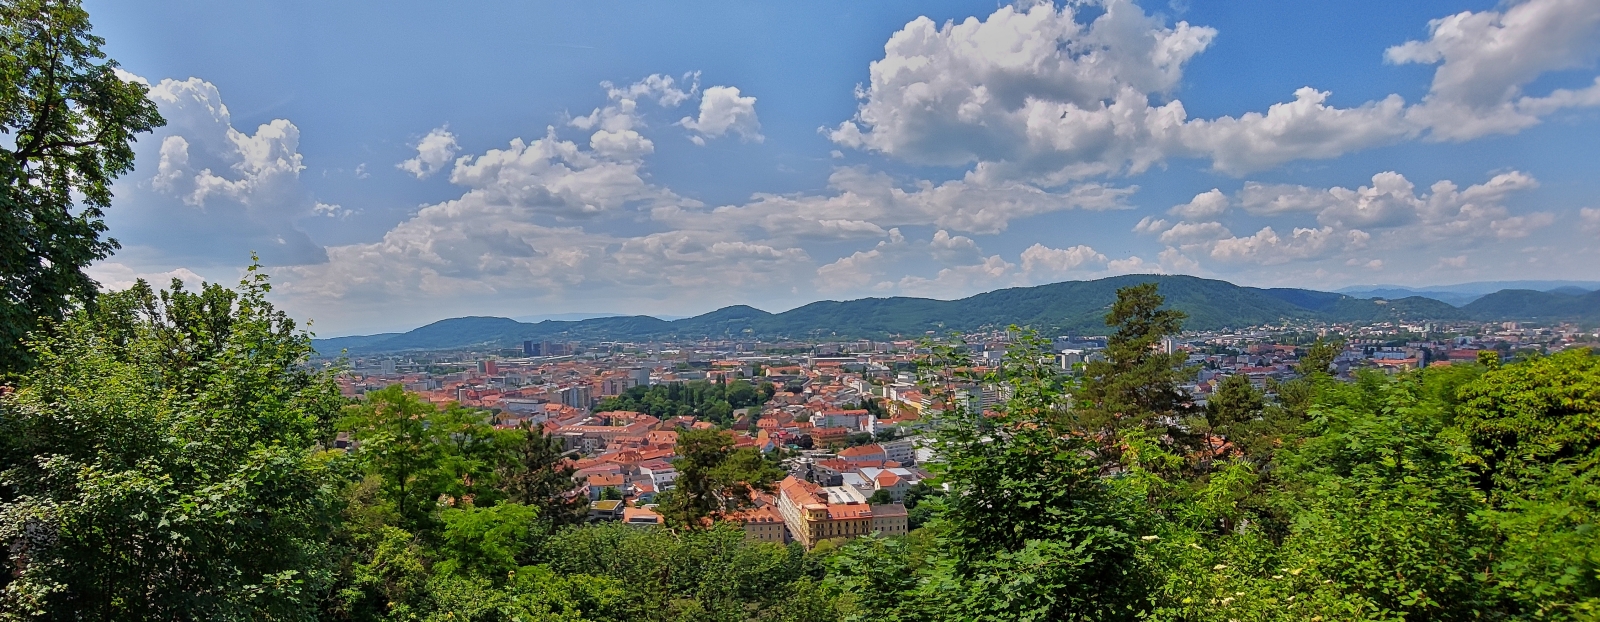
(577,396)
(532,348)
(489,368)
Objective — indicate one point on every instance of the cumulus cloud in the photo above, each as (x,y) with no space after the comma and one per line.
(1041,93)
(1486,58)
(216,193)
(1209,204)
(957,281)
(1041,260)
(1392,201)
(1268,248)
(863,203)
(661,88)
(723,110)
(1390,214)
(114,276)
(1194,232)
(434,152)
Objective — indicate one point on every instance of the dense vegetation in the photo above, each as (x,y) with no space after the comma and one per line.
(714,401)
(170,457)
(1075,307)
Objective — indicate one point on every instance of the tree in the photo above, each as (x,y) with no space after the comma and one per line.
(163,462)
(1134,386)
(1032,528)
(1320,355)
(397,445)
(72,120)
(714,478)
(534,473)
(880,497)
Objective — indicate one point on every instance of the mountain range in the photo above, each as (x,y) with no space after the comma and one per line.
(1071,307)
(1464,293)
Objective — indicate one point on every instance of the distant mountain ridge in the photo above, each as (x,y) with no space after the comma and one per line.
(1071,307)
(1464,293)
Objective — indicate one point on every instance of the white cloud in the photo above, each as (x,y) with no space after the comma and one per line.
(1032,87)
(1151,224)
(1174,261)
(954,249)
(723,110)
(1392,202)
(1306,128)
(957,281)
(1209,204)
(663,89)
(1590,217)
(1194,233)
(1044,261)
(114,276)
(1268,248)
(557,177)
(434,152)
(1486,58)
(1033,92)
(862,204)
(216,193)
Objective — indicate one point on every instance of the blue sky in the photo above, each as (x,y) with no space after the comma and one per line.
(397,163)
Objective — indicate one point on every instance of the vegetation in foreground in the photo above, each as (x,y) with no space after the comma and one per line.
(167,458)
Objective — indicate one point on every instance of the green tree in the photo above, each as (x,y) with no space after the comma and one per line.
(486,542)
(1134,386)
(1534,451)
(162,462)
(880,497)
(396,443)
(534,473)
(1033,530)
(72,122)
(714,478)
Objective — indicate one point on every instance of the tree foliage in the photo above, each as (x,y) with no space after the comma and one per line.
(163,462)
(71,121)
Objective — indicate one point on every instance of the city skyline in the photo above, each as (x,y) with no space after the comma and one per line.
(676,159)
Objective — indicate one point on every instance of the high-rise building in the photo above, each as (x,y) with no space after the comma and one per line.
(489,367)
(532,348)
(577,396)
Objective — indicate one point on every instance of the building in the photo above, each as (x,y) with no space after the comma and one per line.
(532,348)
(577,396)
(642,518)
(814,513)
(901,451)
(609,510)
(890,519)
(661,473)
(764,524)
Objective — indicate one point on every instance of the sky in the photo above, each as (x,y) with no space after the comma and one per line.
(397,163)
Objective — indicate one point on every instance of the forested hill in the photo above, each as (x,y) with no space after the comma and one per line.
(1076,307)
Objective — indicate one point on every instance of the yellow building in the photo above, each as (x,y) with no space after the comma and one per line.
(814,513)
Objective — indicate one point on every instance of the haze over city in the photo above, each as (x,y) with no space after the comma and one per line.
(398,166)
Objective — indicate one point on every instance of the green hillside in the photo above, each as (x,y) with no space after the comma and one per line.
(1527,304)
(1072,307)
